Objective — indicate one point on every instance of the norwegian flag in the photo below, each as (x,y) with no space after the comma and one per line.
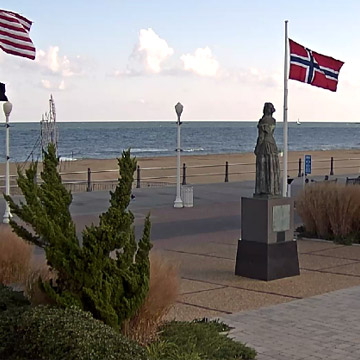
(315,69)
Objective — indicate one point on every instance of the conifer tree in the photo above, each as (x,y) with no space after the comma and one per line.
(108,273)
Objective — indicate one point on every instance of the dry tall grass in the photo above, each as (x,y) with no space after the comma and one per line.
(38,270)
(15,257)
(163,293)
(330,210)
(18,266)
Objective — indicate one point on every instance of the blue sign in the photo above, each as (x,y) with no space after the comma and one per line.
(307,164)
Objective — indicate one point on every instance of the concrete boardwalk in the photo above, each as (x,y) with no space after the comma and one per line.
(282,319)
(321,327)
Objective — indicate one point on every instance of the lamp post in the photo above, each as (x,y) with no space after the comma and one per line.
(178,202)
(7,110)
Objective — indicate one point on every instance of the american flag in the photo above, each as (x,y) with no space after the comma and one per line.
(14,35)
(313,68)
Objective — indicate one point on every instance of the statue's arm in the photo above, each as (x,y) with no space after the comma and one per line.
(262,132)
(260,138)
(266,129)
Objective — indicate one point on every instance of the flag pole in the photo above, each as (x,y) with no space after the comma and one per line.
(285,123)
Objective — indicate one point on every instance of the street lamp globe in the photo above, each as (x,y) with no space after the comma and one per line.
(7,108)
(178,109)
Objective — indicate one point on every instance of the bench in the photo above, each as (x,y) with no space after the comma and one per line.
(326,180)
(353,181)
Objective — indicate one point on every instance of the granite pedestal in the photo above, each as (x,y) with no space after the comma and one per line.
(267,249)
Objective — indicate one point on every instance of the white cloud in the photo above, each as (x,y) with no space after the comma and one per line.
(148,56)
(56,64)
(253,76)
(62,85)
(46,84)
(201,63)
(54,85)
(154,49)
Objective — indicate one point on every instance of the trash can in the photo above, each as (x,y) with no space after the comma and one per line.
(289,181)
(187,195)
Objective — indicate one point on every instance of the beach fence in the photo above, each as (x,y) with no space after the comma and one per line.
(100,180)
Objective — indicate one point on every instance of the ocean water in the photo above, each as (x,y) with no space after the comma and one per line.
(103,140)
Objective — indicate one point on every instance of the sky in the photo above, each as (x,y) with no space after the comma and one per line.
(135,59)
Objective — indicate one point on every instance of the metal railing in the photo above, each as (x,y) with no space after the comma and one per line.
(78,181)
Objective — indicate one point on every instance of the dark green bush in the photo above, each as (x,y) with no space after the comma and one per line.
(198,340)
(10,299)
(217,325)
(112,288)
(48,333)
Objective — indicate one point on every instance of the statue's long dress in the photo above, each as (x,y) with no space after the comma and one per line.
(267,162)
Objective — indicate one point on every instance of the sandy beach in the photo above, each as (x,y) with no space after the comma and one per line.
(202,168)
(211,168)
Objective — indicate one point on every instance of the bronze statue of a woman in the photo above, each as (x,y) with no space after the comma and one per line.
(267,161)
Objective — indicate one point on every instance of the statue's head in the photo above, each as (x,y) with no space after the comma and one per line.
(268,109)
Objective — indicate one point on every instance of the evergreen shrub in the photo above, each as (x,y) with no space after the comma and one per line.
(112,288)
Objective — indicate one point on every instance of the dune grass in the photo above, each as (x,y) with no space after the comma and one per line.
(331,211)
(162,295)
(15,257)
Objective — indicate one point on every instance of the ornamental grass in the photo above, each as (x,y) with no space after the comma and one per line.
(162,295)
(39,270)
(331,211)
(15,257)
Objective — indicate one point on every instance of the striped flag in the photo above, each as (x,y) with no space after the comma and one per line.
(14,35)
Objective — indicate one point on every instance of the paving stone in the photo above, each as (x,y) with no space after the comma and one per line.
(318,328)
(317,262)
(347,252)
(231,300)
(346,269)
(190,286)
(187,313)
(314,246)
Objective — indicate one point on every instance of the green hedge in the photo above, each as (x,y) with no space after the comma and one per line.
(10,299)
(198,340)
(48,333)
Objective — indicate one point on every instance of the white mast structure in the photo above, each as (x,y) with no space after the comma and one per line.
(48,127)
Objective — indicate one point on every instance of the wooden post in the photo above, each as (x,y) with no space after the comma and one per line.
(299,172)
(89,180)
(184,174)
(227,171)
(332,166)
(138,181)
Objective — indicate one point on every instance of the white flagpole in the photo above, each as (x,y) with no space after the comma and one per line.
(285,123)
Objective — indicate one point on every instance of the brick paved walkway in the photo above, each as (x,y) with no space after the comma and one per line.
(321,327)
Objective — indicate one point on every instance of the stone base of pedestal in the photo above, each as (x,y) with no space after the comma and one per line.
(267,261)
(267,250)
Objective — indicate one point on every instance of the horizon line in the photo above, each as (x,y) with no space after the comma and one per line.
(187,120)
